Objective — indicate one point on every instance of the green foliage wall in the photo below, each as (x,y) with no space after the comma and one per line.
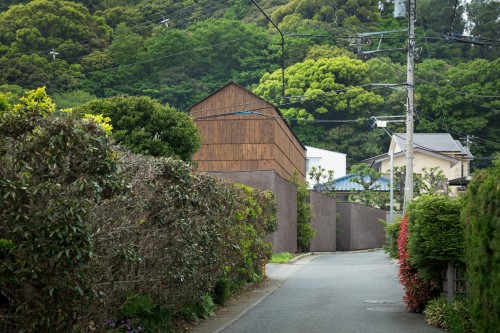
(436,235)
(417,291)
(175,234)
(481,215)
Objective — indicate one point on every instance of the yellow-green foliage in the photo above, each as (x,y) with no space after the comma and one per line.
(36,101)
(104,122)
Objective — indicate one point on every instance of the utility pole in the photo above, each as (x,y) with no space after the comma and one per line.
(410,87)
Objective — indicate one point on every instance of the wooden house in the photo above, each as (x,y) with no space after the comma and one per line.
(243,132)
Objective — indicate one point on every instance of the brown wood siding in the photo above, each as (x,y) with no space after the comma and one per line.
(245,142)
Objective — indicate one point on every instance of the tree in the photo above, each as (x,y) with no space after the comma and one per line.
(400,181)
(340,12)
(41,25)
(370,194)
(305,231)
(29,31)
(434,181)
(356,141)
(323,89)
(319,176)
(460,99)
(483,18)
(148,127)
(228,49)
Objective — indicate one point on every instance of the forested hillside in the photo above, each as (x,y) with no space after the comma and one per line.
(178,52)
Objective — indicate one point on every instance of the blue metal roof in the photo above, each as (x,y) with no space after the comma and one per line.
(346,183)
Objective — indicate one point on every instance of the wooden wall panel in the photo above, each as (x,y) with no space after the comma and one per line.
(245,141)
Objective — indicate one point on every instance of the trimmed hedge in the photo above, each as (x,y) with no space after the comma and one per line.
(436,235)
(481,215)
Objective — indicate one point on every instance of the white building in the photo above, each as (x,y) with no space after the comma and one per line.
(328,160)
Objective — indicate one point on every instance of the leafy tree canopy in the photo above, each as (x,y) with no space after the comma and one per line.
(148,127)
(327,88)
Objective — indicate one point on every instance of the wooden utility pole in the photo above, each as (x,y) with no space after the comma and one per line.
(410,88)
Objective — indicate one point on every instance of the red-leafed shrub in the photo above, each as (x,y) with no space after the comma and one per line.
(417,292)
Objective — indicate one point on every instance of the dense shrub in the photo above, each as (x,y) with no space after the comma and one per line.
(392,232)
(417,292)
(175,235)
(53,168)
(454,317)
(305,231)
(436,235)
(481,214)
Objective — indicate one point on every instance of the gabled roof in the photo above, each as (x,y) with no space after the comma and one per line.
(256,96)
(436,142)
(383,157)
(346,184)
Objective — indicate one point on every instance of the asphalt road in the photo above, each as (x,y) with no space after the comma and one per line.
(333,293)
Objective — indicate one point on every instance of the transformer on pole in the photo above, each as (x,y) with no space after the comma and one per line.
(399,8)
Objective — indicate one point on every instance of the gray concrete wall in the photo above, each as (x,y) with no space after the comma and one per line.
(344,226)
(324,210)
(360,227)
(285,238)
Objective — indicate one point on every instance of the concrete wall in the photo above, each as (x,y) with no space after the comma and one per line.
(324,211)
(285,238)
(359,227)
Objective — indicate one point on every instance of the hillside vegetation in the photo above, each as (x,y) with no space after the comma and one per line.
(88,49)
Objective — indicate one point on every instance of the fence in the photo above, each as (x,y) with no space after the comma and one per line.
(454,282)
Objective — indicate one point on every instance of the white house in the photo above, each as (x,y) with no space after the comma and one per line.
(328,160)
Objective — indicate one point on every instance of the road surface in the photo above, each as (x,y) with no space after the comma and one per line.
(333,293)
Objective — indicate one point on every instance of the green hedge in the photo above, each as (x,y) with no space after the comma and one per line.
(436,235)
(176,234)
(481,215)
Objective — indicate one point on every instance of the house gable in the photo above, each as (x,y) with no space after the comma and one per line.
(243,132)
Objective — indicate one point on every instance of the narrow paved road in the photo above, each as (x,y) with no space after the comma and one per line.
(334,293)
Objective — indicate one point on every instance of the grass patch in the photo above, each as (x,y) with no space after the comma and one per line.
(281,258)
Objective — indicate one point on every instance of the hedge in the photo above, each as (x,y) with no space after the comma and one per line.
(417,291)
(481,214)
(436,235)
(176,234)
